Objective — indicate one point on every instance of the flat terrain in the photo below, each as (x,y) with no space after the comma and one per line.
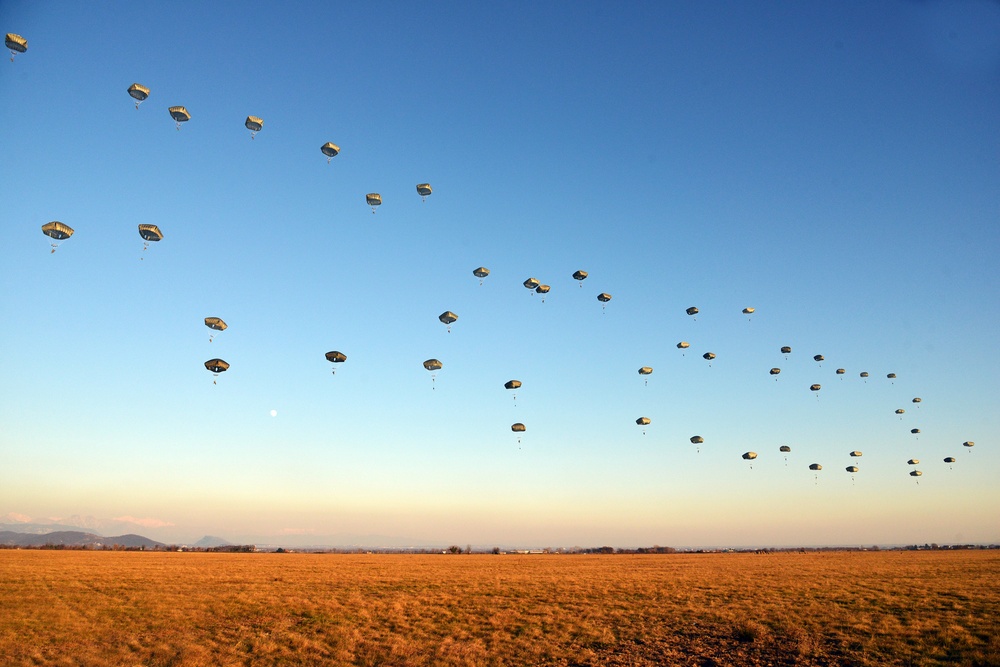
(837,608)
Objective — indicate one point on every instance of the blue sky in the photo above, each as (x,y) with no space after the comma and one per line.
(834,165)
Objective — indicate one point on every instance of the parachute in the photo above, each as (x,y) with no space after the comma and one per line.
(815,466)
(513,385)
(750,456)
(374,199)
(913,462)
(481,273)
(916,432)
(709,356)
(335,357)
(915,473)
(683,345)
(818,358)
(448,317)
(891,376)
(855,453)
(775,372)
(644,422)
(785,449)
(864,374)
(543,290)
(254,124)
(330,150)
(900,411)
(949,460)
(692,311)
(786,350)
(149,234)
(646,370)
(604,297)
(424,190)
(917,400)
(180,115)
(697,440)
(56,231)
(531,283)
(841,371)
(139,93)
(518,428)
(215,324)
(16,44)
(433,365)
(815,387)
(216,366)
(968,443)
(852,469)
(580,276)
(749,311)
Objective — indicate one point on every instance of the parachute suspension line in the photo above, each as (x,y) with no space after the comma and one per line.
(137,105)
(178,126)
(328,160)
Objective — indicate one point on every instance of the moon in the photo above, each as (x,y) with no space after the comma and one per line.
(274,413)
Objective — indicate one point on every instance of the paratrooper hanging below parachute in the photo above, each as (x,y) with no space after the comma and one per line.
(215,324)
(180,115)
(139,93)
(424,190)
(330,150)
(149,234)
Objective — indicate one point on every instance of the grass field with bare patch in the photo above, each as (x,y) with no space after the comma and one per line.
(834,608)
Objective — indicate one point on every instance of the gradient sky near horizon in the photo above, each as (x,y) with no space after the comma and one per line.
(835,165)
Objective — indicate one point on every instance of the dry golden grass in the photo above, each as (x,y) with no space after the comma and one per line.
(842,608)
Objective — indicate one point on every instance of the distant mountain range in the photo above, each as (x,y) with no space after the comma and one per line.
(211,541)
(73,538)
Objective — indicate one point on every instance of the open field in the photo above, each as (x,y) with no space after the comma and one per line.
(837,608)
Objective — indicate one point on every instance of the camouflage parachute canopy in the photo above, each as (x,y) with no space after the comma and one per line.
(900,411)
(57,230)
(864,374)
(917,400)
(433,365)
(518,427)
(150,233)
(216,323)
(512,384)
(642,421)
(579,275)
(749,456)
(217,366)
(179,114)
(138,92)
(424,189)
(784,448)
(968,443)
(481,272)
(16,43)
(645,370)
(891,376)
(697,440)
(775,371)
(691,311)
(330,149)
(447,317)
(604,297)
(815,387)
(531,283)
(815,466)
(336,357)
(683,345)
(786,350)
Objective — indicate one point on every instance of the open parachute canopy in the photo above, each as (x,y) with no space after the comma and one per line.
(433,365)
(512,384)
(697,440)
(255,124)
(217,366)
(448,317)
(784,448)
(531,283)
(424,190)
(335,357)
(643,421)
(481,272)
(517,428)
(15,43)
(579,275)
(330,150)
(180,115)
(815,466)
(150,233)
(216,324)
(139,93)
(646,370)
(57,230)
(786,350)
(775,371)
(683,345)
(604,297)
(855,453)
(691,311)
(749,456)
